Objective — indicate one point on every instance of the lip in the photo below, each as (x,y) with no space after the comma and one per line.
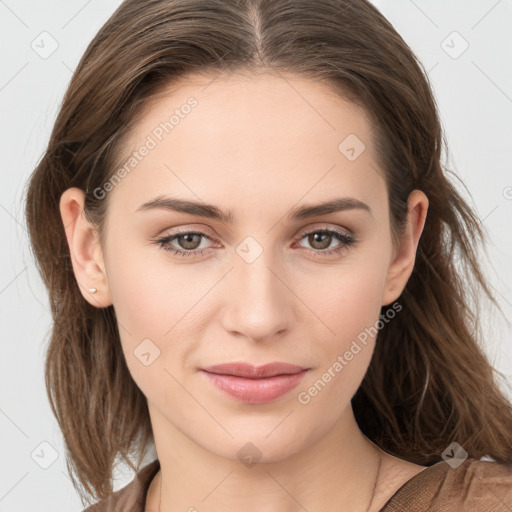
(255,384)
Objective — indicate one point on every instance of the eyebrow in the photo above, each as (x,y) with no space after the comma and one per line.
(212,212)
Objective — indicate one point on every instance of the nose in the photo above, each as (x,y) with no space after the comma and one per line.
(259,306)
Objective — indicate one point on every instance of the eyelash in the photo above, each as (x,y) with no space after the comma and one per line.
(347,241)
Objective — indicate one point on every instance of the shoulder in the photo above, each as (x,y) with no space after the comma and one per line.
(132,497)
(474,485)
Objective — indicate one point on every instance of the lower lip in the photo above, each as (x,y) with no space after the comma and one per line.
(255,391)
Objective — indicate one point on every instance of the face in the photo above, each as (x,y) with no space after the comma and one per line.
(261,277)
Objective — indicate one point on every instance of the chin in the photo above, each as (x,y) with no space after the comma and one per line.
(257,446)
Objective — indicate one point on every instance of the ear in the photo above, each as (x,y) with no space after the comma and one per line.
(85,250)
(405,255)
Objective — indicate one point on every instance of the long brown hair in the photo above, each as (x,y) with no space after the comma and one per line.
(429,382)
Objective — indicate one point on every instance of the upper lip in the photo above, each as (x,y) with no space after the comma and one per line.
(250,371)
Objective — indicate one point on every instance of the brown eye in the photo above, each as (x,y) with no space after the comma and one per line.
(184,244)
(320,240)
(187,241)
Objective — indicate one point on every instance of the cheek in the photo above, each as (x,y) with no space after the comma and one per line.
(345,300)
(151,293)
(344,357)
(155,302)
(347,308)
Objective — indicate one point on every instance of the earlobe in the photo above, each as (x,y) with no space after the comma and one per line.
(85,250)
(402,265)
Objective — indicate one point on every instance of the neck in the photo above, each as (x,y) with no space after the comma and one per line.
(337,472)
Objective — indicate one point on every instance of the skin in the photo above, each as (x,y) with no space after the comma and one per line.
(258,146)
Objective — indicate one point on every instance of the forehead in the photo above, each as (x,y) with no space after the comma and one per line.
(253,105)
(250,133)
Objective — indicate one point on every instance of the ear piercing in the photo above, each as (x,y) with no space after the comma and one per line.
(93,290)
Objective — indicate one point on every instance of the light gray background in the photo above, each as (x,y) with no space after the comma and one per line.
(474,93)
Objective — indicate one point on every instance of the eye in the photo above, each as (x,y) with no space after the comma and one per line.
(321,239)
(189,242)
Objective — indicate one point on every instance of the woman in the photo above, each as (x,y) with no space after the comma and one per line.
(250,246)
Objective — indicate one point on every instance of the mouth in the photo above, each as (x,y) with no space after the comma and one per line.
(255,384)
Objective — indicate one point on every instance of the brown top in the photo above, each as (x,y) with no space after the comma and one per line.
(474,486)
